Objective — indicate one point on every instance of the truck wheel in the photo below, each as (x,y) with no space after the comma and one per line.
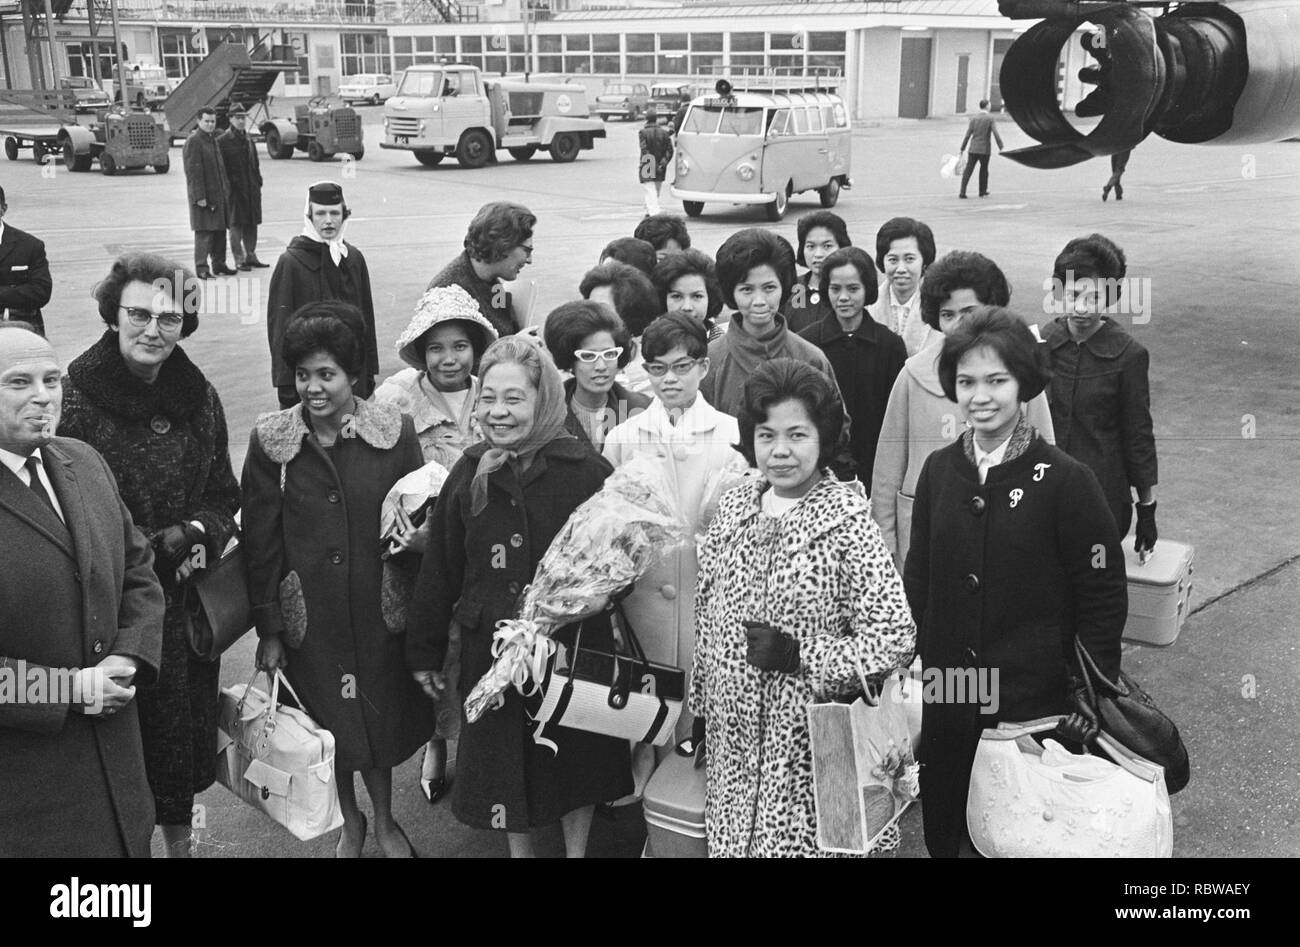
(275,146)
(523,152)
(11,148)
(565,147)
(107,163)
(314,151)
(359,153)
(693,208)
(474,150)
(776,210)
(830,194)
(73,161)
(163,166)
(430,159)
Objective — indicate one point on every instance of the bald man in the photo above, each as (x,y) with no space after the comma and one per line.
(82,628)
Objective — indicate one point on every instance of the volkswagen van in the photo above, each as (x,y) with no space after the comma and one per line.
(762,147)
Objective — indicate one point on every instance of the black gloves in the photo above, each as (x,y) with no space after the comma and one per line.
(173,545)
(1146,527)
(769,649)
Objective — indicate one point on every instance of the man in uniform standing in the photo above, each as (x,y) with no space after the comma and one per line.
(318,264)
(245,176)
(209,190)
(25,283)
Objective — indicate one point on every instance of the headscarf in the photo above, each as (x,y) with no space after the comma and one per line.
(548,417)
(338,249)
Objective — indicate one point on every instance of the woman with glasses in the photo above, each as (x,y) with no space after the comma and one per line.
(498,245)
(631,295)
(693,441)
(136,397)
(588,339)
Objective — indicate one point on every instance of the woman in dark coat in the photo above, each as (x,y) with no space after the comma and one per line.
(504,502)
(314,482)
(820,233)
(1100,394)
(136,397)
(1012,557)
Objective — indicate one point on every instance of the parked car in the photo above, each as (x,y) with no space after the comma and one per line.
(369,87)
(147,85)
(89,96)
(626,99)
(667,98)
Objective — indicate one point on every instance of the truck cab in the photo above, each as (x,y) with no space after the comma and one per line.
(453,109)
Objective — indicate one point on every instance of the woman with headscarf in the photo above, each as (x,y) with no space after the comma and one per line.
(504,502)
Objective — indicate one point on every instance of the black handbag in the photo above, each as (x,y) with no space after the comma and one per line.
(219,612)
(1129,716)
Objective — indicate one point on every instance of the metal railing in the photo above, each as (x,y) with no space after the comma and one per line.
(352,12)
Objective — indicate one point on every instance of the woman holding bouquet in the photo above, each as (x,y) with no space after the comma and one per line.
(797,596)
(504,502)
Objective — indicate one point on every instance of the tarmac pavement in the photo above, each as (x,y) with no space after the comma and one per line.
(1209,232)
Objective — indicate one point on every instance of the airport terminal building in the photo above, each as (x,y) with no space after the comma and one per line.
(899,58)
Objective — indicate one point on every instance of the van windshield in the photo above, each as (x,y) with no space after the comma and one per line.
(421,83)
(724,120)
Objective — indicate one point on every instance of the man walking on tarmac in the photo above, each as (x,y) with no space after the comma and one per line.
(979,130)
(245,176)
(209,193)
(656,151)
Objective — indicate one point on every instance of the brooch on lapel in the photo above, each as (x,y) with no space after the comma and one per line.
(160,424)
(1040,470)
(1016,496)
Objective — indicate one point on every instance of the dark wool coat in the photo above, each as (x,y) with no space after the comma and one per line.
(1003,576)
(493,301)
(656,144)
(324,526)
(1101,409)
(306,273)
(620,405)
(74,786)
(807,306)
(205,179)
(25,283)
(472,575)
(166,445)
(245,176)
(866,362)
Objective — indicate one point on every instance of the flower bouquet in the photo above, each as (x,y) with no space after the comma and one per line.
(609,542)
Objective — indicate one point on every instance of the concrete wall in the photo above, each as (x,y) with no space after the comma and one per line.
(879,55)
(948,46)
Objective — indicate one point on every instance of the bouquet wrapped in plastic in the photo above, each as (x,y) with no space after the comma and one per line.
(609,542)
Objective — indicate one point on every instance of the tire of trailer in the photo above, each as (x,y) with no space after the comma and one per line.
(565,147)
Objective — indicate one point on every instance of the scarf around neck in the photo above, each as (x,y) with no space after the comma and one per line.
(1021,437)
(338,249)
(549,416)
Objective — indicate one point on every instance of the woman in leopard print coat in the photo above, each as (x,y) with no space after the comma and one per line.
(817,572)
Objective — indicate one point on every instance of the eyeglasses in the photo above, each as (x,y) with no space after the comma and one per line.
(589,356)
(527,248)
(167,321)
(659,369)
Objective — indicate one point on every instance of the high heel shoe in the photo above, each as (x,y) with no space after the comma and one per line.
(1105,191)
(411,852)
(434,788)
(338,852)
(1119,192)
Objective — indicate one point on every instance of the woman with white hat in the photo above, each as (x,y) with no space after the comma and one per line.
(442,343)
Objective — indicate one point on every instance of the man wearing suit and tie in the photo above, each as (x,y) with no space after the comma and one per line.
(25,283)
(978,132)
(79,599)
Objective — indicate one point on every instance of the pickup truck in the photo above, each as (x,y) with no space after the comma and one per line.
(454,110)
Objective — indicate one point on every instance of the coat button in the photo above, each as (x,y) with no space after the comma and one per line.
(336,558)
(97,647)
(514,502)
(333,496)
(668,591)
(513,588)
(977,505)
(516,540)
(972,583)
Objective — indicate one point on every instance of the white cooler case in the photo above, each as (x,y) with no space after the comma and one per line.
(1158,592)
(674,809)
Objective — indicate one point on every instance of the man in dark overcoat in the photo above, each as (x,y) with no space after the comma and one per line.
(209,195)
(25,283)
(245,177)
(656,151)
(319,264)
(82,625)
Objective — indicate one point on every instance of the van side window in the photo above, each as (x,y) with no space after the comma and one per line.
(841,115)
(814,119)
(780,124)
(800,117)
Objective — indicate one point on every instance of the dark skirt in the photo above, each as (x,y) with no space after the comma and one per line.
(507,780)
(178,724)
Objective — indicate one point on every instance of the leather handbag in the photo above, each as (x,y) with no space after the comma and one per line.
(219,612)
(1032,801)
(1124,711)
(617,695)
(277,759)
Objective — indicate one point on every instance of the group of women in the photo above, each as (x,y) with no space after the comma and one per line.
(907,381)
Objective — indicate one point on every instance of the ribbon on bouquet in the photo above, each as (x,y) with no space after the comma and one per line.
(522,652)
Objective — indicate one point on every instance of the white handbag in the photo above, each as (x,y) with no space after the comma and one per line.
(277,759)
(1032,801)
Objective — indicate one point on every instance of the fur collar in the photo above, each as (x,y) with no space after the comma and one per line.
(101,376)
(281,433)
